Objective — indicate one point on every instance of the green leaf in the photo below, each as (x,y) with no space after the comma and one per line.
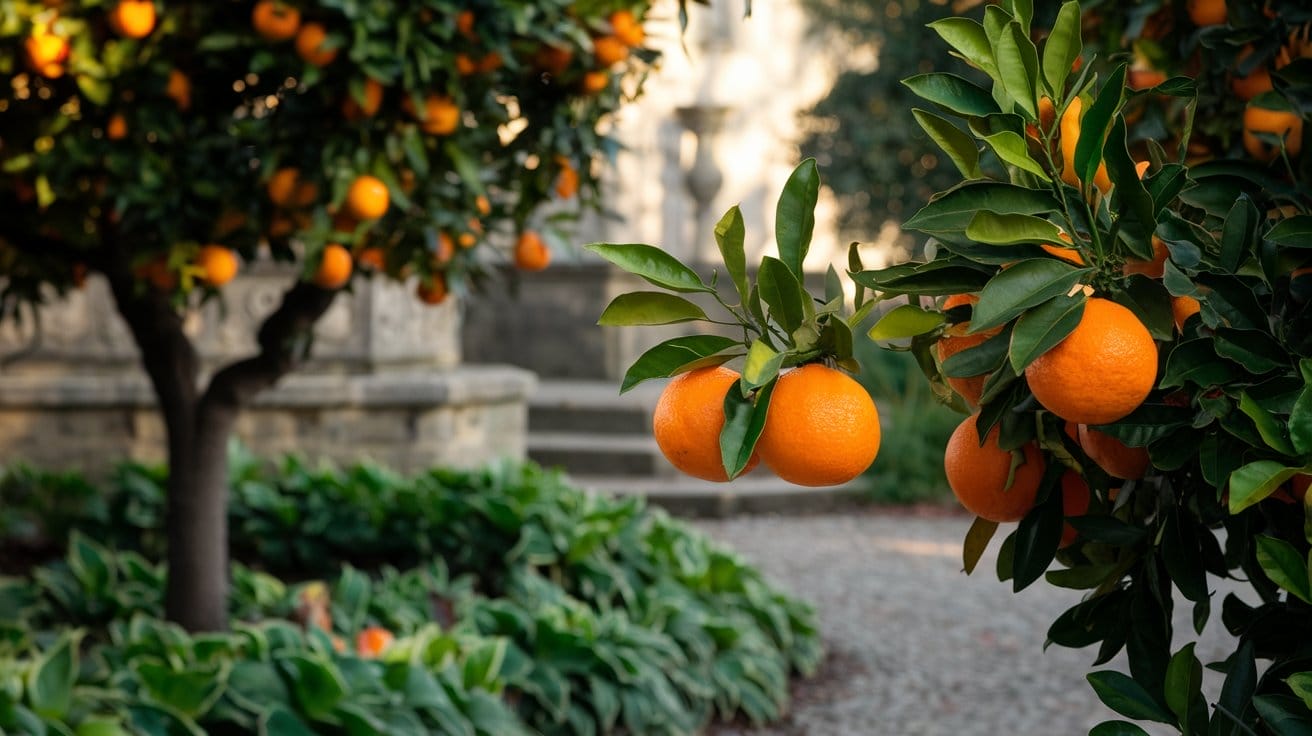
(190,692)
(994,229)
(1012,149)
(1062,48)
(967,37)
(1132,199)
(1294,232)
(1184,682)
(317,684)
(955,142)
(649,308)
(744,418)
(1037,537)
(782,293)
(98,91)
(51,678)
(1300,416)
(954,209)
(953,92)
(1108,530)
(1271,429)
(1096,123)
(905,321)
(278,721)
(1117,728)
(1026,284)
(482,665)
(936,278)
(977,540)
(1255,481)
(159,720)
(101,726)
(651,263)
(1042,328)
(794,218)
(1301,684)
(762,365)
(1018,68)
(1284,715)
(1239,230)
(1127,697)
(1240,679)
(1285,566)
(986,357)
(1195,361)
(729,236)
(665,359)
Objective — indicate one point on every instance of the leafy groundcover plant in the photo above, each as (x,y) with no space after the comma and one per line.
(1123,315)
(496,602)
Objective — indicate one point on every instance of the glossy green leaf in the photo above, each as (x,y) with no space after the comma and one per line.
(1255,481)
(1137,216)
(730,234)
(1117,728)
(967,37)
(1108,530)
(906,321)
(952,92)
(1284,715)
(977,541)
(953,210)
(1012,149)
(1195,361)
(278,721)
(1268,426)
(1285,566)
(761,366)
(956,143)
(995,229)
(1042,328)
(1095,124)
(1151,303)
(1238,232)
(782,292)
(317,684)
(1037,537)
(1018,64)
(159,720)
(665,359)
(836,339)
(1165,185)
(1127,697)
(794,218)
(190,692)
(744,418)
(1300,416)
(1062,48)
(1183,687)
(1293,232)
(986,357)
(649,308)
(1301,684)
(1240,680)
(936,278)
(652,264)
(50,679)
(101,726)
(1026,284)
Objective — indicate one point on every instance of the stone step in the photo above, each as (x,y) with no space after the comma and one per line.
(757,493)
(591,407)
(596,453)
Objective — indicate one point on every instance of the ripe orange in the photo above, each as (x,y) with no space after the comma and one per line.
(373,259)
(567,181)
(158,274)
(1066,254)
(594,82)
(483,205)
(46,54)
(531,254)
(275,21)
(1276,122)
(1182,308)
(218,263)
(310,45)
(609,51)
(373,641)
(1047,113)
(178,89)
(432,291)
(957,300)
(334,267)
(1112,455)
(367,198)
(282,186)
(465,65)
(1152,269)
(955,340)
(133,18)
(117,127)
(553,60)
(688,418)
(1075,498)
(977,474)
(1206,12)
(440,116)
(353,109)
(490,62)
(1255,83)
(1070,135)
(822,428)
(445,250)
(1102,371)
(465,24)
(627,28)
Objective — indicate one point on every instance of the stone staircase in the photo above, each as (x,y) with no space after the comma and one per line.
(603,440)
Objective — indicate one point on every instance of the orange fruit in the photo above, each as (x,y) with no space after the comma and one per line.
(446,250)
(955,340)
(133,18)
(957,300)
(46,54)
(1182,308)
(1102,371)
(353,109)
(1070,135)
(1075,498)
(688,418)
(465,23)
(553,60)
(609,51)
(373,641)
(310,45)
(627,28)
(1152,269)
(1112,455)
(483,205)
(334,267)
(432,291)
(1255,83)
(218,263)
(275,21)
(281,226)
(490,62)
(1066,254)
(282,186)
(1206,12)
(1047,113)
(465,65)
(1298,486)
(977,474)
(367,198)
(157,273)
(1276,122)
(594,82)
(178,89)
(117,127)
(567,181)
(440,116)
(531,254)
(822,428)
(373,259)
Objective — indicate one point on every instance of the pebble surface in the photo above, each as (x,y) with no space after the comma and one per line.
(914,647)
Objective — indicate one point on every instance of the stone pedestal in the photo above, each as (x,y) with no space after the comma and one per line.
(383,381)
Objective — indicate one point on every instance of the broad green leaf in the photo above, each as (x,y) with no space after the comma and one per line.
(952,92)
(1026,284)
(1293,232)
(794,218)
(1301,684)
(1285,566)
(649,308)
(1084,577)
(977,540)
(101,726)
(190,692)
(762,365)
(1037,537)
(316,683)
(966,36)
(905,321)
(936,278)
(665,359)
(729,236)
(744,418)
(651,263)
(1255,481)
(1018,64)
(278,721)
(1195,361)
(1062,48)
(1117,728)
(782,293)
(1184,682)
(1151,303)
(482,664)
(1165,185)
(1108,530)
(953,210)
(50,679)
(1132,199)
(1300,416)
(1012,149)
(1240,680)
(956,143)
(1238,232)
(1096,123)
(1042,328)
(983,358)
(994,229)
(160,720)
(1127,697)
(1271,429)
(836,340)
(1284,715)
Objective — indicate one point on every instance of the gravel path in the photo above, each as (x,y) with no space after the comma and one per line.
(915,647)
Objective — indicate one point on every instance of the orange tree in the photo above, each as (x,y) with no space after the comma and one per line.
(161,143)
(1117,295)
